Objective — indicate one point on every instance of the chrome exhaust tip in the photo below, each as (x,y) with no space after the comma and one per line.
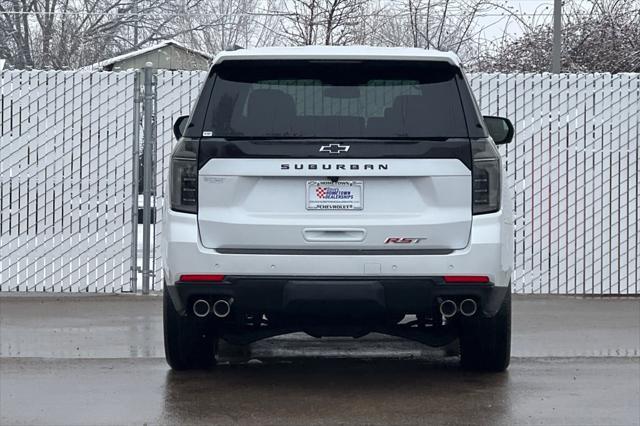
(468,307)
(221,308)
(201,308)
(448,308)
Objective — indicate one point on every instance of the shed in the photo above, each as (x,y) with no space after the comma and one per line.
(168,55)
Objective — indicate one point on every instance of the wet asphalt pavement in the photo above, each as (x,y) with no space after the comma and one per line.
(97,360)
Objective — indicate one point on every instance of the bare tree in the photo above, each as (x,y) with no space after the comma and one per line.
(341,20)
(303,22)
(598,36)
(15,32)
(66,33)
(330,22)
(432,24)
(71,33)
(219,24)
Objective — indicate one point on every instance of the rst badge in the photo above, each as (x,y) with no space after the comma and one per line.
(403,240)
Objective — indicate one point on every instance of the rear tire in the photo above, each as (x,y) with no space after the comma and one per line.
(188,342)
(485,343)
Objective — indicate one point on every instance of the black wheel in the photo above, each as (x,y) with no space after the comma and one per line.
(485,343)
(188,342)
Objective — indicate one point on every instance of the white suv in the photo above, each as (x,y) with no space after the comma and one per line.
(337,191)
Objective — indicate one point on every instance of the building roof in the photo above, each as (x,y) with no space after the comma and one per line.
(340,52)
(111,61)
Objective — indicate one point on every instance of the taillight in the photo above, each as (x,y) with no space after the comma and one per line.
(466,279)
(201,277)
(183,177)
(486,176)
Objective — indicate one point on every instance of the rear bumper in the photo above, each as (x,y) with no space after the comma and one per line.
(262,282)
(354,297)
(489,252)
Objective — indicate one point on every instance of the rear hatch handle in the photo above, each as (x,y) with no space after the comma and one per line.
(322,235)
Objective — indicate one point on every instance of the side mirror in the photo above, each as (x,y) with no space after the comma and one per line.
(180,125)
(500,129)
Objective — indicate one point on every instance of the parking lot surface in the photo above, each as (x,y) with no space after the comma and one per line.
(98,360)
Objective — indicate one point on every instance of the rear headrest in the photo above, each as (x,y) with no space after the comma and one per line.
(412,116)
(270,102)
(396,117)
(403,102)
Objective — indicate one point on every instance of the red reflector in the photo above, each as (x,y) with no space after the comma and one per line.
(466,279)
(201,277)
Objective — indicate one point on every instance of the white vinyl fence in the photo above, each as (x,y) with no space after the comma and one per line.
(65,168)
(573,167)
(65,181)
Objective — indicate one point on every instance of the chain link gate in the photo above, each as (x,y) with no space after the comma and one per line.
(167,96)
(70,167)
(66,173)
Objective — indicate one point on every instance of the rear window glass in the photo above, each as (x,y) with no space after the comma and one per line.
(319,99)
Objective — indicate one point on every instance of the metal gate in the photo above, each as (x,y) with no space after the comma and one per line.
(65,181)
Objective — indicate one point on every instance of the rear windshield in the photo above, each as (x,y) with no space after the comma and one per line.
(321,99)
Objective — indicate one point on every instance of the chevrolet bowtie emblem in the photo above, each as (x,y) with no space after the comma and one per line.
(334,148)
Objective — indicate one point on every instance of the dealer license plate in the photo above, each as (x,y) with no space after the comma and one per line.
(341,195)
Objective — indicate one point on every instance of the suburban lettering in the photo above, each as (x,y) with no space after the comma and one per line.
(313,166)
